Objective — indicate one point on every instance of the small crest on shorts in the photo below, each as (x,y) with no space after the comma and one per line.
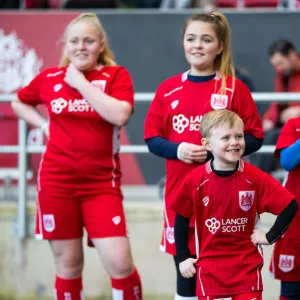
(48,222)
(246,199)
(218,101)
(170,235)
(286,262)
(116,220)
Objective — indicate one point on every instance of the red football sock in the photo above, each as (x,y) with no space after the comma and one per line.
(68,289)
(128,288)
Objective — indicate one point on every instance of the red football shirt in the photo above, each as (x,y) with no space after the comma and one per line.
(175,114)
(82,145)
(289,134)
(226,210)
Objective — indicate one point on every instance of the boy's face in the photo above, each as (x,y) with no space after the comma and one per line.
(227,145)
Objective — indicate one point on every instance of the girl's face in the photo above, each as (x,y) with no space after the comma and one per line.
(83,46)
(201,46)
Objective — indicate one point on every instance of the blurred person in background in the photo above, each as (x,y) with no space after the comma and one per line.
(207,5)
(88,99)
(173,121)
(285,262)
(286,62)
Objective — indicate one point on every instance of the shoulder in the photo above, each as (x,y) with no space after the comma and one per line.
(53,72)
(254,173)
(172,84)
(198,175)
(114,70)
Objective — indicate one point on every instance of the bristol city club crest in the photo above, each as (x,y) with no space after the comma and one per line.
(101,84)
(170,235)
(246,199)
(48,222)
(286,262)
(218,101)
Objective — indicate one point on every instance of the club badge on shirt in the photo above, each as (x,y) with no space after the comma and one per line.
(101,84)
(246,199)
(218,101)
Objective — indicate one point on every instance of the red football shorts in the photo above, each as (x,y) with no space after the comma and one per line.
(63,212)
(247,296)
(285,262)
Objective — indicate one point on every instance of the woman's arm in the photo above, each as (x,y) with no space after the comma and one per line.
(28,113)
(109,108)
(253,144)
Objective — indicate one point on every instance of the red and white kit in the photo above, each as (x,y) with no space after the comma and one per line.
(79,175)
(226,211)
(285,263)
(175,114)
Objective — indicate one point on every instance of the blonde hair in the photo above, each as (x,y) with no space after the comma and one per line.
(107,57)
(223,63)
(216,119)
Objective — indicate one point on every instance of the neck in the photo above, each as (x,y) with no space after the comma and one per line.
(223,166)
(204,72)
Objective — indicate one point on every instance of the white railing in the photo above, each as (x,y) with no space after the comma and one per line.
(22,149)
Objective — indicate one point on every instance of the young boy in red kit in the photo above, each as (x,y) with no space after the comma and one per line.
(226,196)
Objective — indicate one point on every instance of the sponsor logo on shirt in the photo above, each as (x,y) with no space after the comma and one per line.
(180,123)
(174,104)
(116,220)
(73,105)
(226,225)
(218,101)
(170,235)
(286,263)
(48,222)
(246,199)
(205,200)
(101,84)
(57,87)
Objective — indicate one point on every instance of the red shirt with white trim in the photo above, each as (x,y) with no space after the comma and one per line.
(82,145)
(175,114)
(226,211)
(289,135)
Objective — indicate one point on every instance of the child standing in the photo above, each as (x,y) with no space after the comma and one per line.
(285,263)
(226,195)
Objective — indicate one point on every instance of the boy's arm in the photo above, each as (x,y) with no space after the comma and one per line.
(181,231)
(282,222)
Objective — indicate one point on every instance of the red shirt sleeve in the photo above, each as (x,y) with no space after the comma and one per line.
(183,201)
(245,107)
(122,87)
(273,197)
(30,94)
(154,122)
(286,137)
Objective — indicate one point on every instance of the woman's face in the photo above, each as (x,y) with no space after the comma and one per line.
(83,46)
(201,46)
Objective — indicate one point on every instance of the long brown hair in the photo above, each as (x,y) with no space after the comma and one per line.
(107,57)
(223,62)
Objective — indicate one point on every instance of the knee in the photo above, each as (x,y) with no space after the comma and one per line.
(68,265)
(122,266)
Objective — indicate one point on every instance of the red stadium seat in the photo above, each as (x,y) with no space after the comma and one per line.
(260,3)
(226,3)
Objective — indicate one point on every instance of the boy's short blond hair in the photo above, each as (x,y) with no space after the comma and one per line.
(216,119)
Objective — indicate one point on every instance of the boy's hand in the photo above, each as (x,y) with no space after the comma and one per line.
(187,268)
(259,237)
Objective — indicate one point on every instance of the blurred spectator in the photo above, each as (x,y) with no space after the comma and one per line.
(83,4)
(286,62)
(142,3)
(290,4)
(207,5)
(9,4)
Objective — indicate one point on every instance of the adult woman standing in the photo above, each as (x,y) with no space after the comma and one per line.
(172,125)
(88,99)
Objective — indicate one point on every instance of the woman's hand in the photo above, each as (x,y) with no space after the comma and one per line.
(187,268)
(74,78)
(259,237)
(191,153)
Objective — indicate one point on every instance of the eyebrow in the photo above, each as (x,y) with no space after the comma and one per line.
(204,35)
